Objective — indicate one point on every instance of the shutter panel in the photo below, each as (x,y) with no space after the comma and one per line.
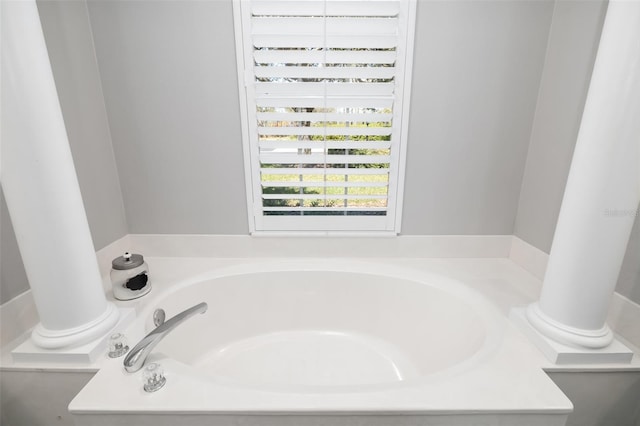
(325,82)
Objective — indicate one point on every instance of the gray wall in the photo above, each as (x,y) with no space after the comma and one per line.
(629,279)
(601,398)
(481,99)
(13,279)
(168,71)
(39,398)
(169,77)
(68,35)
(571,52)
(476,75)
(67,31)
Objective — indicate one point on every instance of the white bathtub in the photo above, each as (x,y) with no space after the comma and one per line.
(324,337)
(315,327)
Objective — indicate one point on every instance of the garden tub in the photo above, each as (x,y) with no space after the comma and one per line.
(310,328)
(309,337)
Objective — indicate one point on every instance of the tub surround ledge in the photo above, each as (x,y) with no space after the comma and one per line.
(88,353)
(565,353)
(505,359)
(505,276)
(173,258)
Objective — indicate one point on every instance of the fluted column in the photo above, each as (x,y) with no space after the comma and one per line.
(42,192)
(602,193)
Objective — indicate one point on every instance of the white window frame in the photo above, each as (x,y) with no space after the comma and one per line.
(390,224)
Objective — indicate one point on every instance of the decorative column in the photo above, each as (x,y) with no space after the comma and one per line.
(601,197)
(42,192)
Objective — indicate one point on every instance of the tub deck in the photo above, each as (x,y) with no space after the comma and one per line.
(504,386)
(508,387)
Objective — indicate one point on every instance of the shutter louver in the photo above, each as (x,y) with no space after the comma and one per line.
(324,85)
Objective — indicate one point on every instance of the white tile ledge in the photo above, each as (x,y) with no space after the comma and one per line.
(530,258)
(240,246)
(18,316)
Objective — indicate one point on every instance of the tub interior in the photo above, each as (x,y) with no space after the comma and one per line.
(321,329)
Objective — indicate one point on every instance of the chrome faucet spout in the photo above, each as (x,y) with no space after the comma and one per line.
(136,358)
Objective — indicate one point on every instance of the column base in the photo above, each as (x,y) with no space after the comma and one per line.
(56,339)
(566,351)
(591,339)
(83,351)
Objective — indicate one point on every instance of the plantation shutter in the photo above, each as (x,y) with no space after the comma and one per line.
(325,82)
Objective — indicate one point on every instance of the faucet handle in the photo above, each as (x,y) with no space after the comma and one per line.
(158,317)
(153,377)
(117,345)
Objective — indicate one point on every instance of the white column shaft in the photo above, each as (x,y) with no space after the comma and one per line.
(602,193)
(42,191)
